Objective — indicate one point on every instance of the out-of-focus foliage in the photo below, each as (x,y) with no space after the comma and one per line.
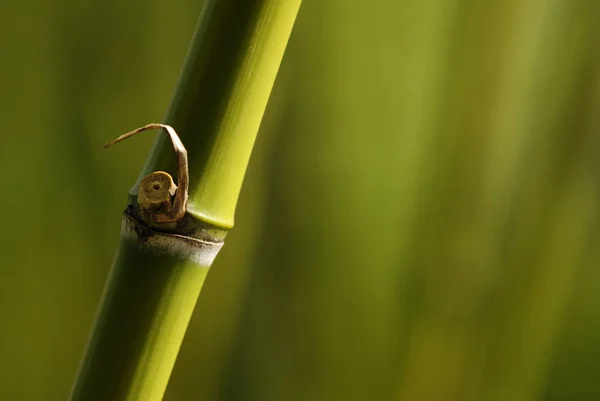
(419,220)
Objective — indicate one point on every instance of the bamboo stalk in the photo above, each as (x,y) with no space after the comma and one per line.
(160,265)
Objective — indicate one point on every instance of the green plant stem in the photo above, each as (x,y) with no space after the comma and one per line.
(221,98)
(157,275)
(145,310)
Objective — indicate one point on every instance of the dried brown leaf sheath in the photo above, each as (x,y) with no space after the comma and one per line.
(160,200)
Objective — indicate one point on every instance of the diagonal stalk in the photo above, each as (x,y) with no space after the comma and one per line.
(160,266)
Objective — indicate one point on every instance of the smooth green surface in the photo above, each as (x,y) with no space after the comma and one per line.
(145,311)
(221,97)
(230,70)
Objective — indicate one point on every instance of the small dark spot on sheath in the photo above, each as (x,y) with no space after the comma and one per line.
(142,232)
(156,186)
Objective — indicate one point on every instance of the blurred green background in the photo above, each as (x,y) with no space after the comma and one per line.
(418,222)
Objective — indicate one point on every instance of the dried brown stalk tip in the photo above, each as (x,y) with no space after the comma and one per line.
(160,200)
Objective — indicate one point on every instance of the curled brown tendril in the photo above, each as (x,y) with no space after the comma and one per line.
(157,188)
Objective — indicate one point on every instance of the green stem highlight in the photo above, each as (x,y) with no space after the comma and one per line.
(158,273)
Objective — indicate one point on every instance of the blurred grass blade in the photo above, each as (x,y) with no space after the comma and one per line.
(159,268)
